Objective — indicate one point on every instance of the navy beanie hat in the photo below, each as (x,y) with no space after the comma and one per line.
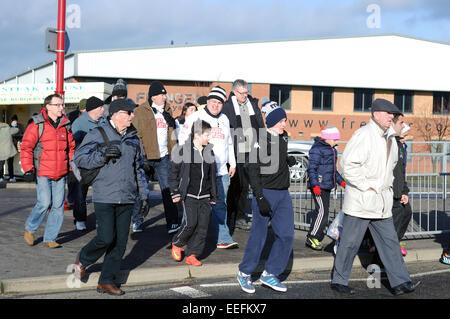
(273,113)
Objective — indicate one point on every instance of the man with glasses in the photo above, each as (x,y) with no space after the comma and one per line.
(245,120)
(156,130)
(47,147)
(119,182)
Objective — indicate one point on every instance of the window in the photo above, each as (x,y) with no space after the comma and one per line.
(404,101)
(281,94)
(363,99)
(322,98)
(441,103)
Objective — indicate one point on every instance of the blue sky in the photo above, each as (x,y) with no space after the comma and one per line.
(108,24)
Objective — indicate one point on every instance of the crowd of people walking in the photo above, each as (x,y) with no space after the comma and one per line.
(205,161)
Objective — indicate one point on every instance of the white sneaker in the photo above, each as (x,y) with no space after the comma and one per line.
(80,225)
(12,180)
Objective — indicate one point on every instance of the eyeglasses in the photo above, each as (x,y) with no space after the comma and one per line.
(242,93)
(57,105)
(127,112)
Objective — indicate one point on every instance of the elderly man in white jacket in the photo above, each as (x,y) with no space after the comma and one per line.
(367,164)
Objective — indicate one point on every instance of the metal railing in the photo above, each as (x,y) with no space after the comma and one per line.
(428,181)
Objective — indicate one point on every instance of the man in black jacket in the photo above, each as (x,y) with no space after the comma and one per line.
(269,179)
(401,209)
(245,121)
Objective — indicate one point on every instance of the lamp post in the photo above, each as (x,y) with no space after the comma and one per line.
(60,47)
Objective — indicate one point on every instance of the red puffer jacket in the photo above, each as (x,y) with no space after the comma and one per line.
(58,147)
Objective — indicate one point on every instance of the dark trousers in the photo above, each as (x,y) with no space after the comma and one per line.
(282,223)
(194,229)
(385,238)
(320,218)
(113,226)
(401,216)
(237,195)
(10,162)
(79,197)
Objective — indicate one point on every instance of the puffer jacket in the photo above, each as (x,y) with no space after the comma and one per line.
(58,147)
(7,148)
(365,165)
(322,169)
(121,180)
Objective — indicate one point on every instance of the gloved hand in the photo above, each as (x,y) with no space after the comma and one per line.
(29,176)
(264,206)
(291,161)
(343,184)
(111,152)
(316,190)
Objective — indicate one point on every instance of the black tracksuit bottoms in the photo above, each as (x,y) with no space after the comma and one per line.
(194,229)
(320,218)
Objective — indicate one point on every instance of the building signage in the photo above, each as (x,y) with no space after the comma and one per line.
(36,93)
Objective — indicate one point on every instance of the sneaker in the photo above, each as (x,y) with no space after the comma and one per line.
(272,281)
(192,260)
(176,252)
(227,245)
(173,228)
(313,243)
(404,252)
(445,258)
(66,205)
(12,180)
(80,225)
(246,283)
(242,224)
(137,227)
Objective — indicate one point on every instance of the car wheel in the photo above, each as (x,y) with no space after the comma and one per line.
(298,171)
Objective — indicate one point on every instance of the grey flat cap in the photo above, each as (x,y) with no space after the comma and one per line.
(386,106)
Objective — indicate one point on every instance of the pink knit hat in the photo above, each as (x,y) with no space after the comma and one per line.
(330,133)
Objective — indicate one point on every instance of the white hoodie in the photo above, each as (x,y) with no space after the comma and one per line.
(220,138)
(364,166)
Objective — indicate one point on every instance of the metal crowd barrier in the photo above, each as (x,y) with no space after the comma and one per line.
(427,178)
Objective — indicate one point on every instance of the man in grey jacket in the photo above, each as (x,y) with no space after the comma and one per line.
(118,183)
(367,165)
(88,120)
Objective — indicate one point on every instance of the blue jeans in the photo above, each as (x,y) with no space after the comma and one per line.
(136,215)
(50,194)
(161,167)
(219,211)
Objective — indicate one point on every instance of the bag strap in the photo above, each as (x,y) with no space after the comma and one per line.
(105,137)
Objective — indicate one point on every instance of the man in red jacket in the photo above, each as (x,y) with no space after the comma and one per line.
(46,152)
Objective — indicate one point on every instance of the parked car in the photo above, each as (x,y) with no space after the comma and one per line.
(299,149)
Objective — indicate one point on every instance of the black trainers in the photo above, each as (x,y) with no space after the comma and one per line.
(405,288)
(173,228)
(342,289)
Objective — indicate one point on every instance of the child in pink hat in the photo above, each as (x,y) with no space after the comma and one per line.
(323,177)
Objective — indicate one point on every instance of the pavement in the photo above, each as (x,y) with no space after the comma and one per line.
(147,260)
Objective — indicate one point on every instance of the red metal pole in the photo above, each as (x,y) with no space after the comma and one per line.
(60,47)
